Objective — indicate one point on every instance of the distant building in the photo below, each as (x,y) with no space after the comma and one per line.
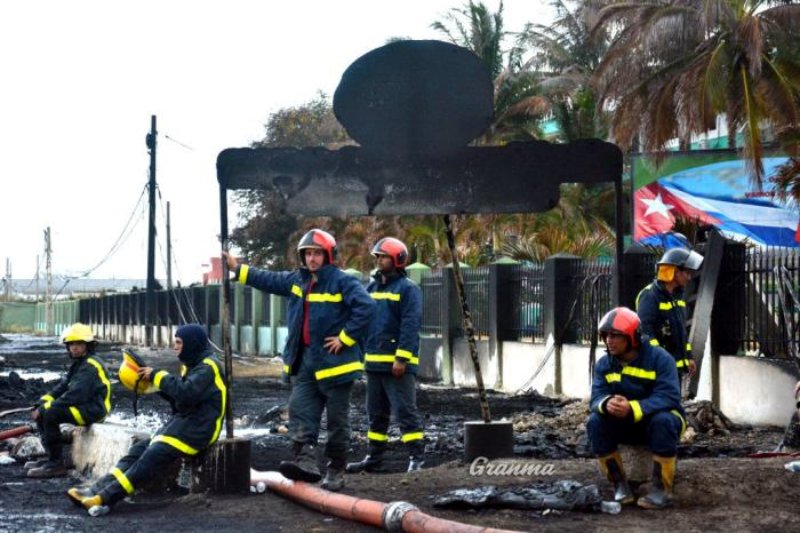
(214,276)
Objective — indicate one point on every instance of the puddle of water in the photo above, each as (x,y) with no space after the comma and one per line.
(25,374)
(149,421)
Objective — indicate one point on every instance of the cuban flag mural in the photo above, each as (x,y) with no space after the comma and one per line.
(717,193)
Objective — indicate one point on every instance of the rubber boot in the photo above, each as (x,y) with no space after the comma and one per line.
(660,495)
(76,495)
(52,468)
(304,467)
(372,462)
(334,476)
(416,456)
(95,505)
(611,467)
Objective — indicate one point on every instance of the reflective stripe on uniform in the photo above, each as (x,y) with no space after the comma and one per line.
(613,377)
(324,297)
(380,437)
(666,306)
(680,363)
(101,373)
(123,480)
(286,369)
(297,291)
(48,400)
(220,384)
(393,296)
(683,420)
(159,376)
(388,358)
(639,372)
(346,339)
(408,437)
(637,410)
(243,273)
(654,342)
(175,443)
(339,370)
(77,415)
(601,403)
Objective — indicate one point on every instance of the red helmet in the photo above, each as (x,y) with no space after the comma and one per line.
(622,321)
(394,248)
(321,240)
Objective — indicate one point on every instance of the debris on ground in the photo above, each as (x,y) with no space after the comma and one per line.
(561,495)
(704,417)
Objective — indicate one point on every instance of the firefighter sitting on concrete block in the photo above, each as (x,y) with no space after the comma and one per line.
(82,397)
(198,399)
(635,400)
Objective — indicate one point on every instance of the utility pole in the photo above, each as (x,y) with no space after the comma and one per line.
(48,303)
(149,299)
(36,297)
(169,266)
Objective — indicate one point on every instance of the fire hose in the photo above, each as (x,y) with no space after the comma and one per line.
(15,432)
(394,516)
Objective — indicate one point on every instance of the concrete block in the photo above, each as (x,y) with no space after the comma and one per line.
(637,461)
(96,449)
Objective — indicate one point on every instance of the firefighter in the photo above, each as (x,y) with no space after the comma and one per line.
(662,309)
(82,397)
(198,400)
(392,358)
(329,313)
(635,400)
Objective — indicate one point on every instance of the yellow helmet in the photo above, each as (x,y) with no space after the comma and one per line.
(128,375)
(77,332)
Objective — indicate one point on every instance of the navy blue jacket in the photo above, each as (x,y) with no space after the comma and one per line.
(649,382)
(394,333)
(663,317)
(85,391)
(198,396)
(338,306)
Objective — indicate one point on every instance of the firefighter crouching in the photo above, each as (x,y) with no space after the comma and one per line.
(662,309)
(198,400)
(635,400)
(82,397)
(392,358)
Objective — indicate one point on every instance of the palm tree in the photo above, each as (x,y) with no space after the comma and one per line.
(674,65)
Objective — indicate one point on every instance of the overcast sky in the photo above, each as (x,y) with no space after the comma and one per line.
(81,79)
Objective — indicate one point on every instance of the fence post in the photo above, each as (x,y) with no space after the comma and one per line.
(275,318)
(504,305)
(728,317)
(560,293)
(638,263)
(453,327)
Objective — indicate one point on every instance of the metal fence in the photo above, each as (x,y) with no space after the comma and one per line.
(771,308)
(476,292)
(528,322)
(433,304)
(594,297)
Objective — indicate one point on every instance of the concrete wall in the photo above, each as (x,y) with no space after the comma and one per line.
(749,390)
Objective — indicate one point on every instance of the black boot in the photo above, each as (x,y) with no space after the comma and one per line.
(611,466)
(304,467)
(660,495)
(372,462)
(416,456)
(334,476)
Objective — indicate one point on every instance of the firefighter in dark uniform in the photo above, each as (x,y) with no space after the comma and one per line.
(635,400)
(82,397)
(392,358)
(198,400)
(662,309)
(329,313)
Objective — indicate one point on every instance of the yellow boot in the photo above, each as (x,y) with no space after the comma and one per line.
(76,495)
(660,495)
(611,467)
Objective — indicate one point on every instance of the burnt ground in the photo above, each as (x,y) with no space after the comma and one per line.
(717,487)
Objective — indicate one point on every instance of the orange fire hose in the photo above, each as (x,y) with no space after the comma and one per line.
(394,516)
(14,432)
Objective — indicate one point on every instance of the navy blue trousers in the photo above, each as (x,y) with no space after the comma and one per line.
(387,394)
(659,431)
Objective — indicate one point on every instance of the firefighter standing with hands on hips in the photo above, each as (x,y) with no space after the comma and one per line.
(392,358)
(82,397)
(662,309)
(329,314)
(635,400)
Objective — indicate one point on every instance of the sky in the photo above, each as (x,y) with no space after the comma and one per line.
(81,80)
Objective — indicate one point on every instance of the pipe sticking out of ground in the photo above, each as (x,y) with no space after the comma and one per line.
(394,516)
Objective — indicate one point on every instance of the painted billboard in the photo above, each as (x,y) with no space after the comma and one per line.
(714,188)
